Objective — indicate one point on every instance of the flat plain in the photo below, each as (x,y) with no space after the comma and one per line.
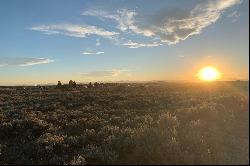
(126,123)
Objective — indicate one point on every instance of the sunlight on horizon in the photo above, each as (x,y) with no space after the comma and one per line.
(209,73)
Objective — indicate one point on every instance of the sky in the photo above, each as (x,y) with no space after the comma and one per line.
(42,42)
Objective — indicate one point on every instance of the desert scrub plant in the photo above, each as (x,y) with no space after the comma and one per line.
(157,144)
(151,123)
(77,160)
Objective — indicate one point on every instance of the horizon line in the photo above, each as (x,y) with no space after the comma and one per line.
(121,81)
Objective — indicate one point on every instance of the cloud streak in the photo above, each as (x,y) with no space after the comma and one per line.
(131,44)
(20,61)
(72,30)
(92,53)
(104,73)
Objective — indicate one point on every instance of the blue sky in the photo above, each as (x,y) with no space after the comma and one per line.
(45,41)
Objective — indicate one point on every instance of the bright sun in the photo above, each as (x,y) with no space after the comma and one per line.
(209,74)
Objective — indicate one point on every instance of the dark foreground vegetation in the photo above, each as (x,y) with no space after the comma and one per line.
(150,123)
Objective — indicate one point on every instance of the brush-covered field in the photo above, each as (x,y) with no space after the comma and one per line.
(126,123)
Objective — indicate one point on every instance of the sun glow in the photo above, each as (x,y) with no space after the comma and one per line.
(209,74)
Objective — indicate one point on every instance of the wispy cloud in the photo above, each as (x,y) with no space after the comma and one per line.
(21,61)
(73,30)
(104,73)
(181,56)
(235,15)
(125,20)
(171,25)
(131,44)
(92,53)
(174,25)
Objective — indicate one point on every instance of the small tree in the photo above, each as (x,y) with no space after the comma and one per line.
(74,84)
(59,84)
(90,85)
(70,83)
(95,84)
